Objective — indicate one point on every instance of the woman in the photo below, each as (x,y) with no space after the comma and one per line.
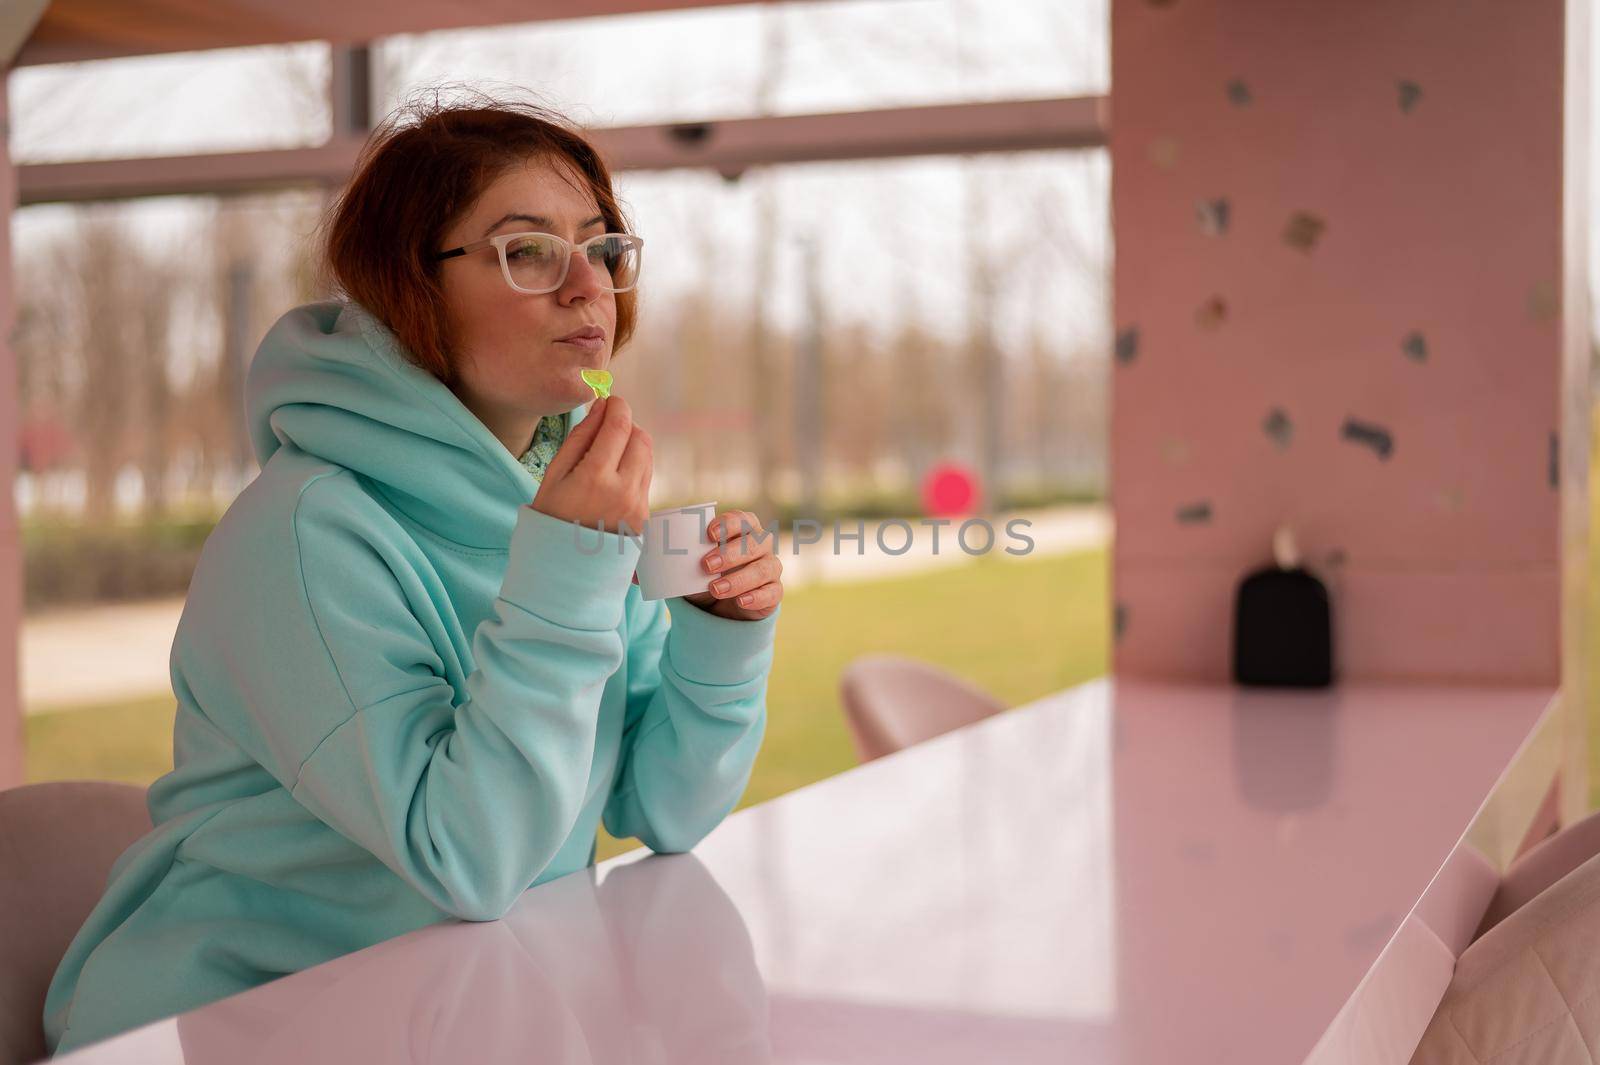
(406,693)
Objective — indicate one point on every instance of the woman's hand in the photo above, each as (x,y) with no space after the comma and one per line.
(744,569)
(600,476)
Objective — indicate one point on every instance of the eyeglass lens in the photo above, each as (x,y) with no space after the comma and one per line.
(536,261)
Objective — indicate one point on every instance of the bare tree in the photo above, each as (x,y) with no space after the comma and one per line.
(252,275)
(152,361)
(106,263)
(47,344)
(763,364)
(922,409)
(857,396)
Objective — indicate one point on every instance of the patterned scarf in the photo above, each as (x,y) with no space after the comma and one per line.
(546,439)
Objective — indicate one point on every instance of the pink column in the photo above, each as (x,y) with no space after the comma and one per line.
(11,743)
(1339,303)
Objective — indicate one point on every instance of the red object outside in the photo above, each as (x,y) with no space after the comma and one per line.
(949,490)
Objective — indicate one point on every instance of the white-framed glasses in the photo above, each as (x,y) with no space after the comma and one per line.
(538,262)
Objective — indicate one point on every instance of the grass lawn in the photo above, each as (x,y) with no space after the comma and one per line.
(1018,627)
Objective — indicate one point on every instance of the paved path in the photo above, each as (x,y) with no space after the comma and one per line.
(97,654)
(101,654)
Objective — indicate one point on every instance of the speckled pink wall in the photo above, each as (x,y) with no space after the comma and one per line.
(1338,267)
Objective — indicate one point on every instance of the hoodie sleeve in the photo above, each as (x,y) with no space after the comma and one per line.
(697,709)
(468,803)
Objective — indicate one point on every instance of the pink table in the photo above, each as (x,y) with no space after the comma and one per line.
(1122,872)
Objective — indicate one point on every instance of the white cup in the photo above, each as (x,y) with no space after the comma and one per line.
(669,554)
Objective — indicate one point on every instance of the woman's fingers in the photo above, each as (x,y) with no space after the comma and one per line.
(576,445)
(600,476)
(763,599)
(637,462)
(611,438)
(746,541)
(731,523)
(746,578)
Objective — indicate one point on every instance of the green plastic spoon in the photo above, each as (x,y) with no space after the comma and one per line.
(599,380)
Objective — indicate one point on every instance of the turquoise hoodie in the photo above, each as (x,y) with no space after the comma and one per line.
(403,696)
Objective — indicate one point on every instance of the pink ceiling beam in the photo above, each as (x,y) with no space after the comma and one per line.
(728,147)
(731,147)
(76,30)
(114,179)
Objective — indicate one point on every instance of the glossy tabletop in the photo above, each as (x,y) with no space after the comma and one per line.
(1124,872)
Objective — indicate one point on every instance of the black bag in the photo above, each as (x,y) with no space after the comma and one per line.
(1283,630)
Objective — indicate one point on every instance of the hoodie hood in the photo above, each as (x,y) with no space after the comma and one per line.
(332,381)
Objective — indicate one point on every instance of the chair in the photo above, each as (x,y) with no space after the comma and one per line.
(892,702)
(1543,865)
(57,845)
(1527,992)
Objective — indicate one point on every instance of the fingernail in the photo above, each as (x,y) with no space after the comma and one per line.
(720,587)
(744,600)
(713,562)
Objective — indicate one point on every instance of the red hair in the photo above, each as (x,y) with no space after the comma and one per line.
(423,167)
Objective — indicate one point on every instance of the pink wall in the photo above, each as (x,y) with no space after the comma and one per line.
(1255,379)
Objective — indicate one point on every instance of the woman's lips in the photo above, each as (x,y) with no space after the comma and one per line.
(590,344)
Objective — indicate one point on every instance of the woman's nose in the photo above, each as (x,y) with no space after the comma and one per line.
(582,279)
